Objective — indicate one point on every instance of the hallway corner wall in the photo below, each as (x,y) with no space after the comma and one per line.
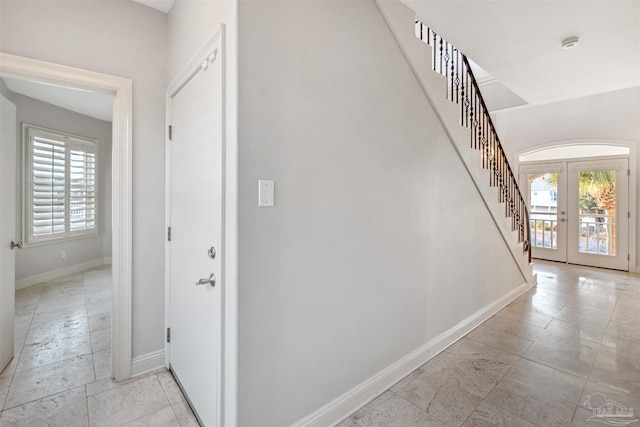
(378,243)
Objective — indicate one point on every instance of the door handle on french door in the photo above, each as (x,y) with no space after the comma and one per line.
(207,281)
(16,245)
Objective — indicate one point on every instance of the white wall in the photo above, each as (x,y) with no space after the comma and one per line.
(34,260)
(612,115)
(378,241)
(4,90)
(607,116)
(125,39)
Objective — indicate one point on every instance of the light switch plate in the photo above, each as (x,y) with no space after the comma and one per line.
(266,193)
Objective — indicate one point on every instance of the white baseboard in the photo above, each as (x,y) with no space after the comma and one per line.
(345,405)
(60,272)
(147,363)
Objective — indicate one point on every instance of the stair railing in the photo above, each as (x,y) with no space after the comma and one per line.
(463,90)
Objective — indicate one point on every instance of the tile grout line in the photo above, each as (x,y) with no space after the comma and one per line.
(93,358)
(13,374)
(484,399)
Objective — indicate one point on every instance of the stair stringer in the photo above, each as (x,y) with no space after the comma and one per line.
(401,21)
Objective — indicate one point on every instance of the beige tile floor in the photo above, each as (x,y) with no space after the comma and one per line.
(60,375)
(576,334)
(533,364)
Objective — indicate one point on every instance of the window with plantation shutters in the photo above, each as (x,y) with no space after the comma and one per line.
(60,185)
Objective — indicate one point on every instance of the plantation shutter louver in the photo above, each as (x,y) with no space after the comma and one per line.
(82,190)
(62,182)
(48,186)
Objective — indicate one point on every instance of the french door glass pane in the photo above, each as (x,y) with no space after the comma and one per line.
(597,212)
(543,197)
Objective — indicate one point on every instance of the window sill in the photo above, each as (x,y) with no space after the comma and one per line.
(63,240)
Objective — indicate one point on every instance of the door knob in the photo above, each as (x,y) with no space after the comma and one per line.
(16,245)
(211,280)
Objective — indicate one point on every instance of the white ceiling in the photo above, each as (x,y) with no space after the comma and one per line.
(496,95)
(90,104)
(518,42)
(161,5)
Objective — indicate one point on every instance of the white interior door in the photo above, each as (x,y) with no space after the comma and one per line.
(7,228)
(196,246)
(598,209)
(545,184)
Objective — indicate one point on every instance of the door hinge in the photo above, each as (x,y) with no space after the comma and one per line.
(628,214)
(168,334)
(170,132)
(628,172)
(628,257)
(169,234)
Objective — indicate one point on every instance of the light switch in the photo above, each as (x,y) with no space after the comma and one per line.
(265,193)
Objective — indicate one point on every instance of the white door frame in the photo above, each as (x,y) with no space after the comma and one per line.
(226,403)
(634,262)
(121,168)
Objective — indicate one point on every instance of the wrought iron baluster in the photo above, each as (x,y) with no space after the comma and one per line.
(464,107)
(485,138)
(441,43)
(453,51)
(491,154)
(496,156)
(478,121)
(496,160)
(494,149)
(501,178)
(433,46)
(457,80)
(472,117)
(485,153)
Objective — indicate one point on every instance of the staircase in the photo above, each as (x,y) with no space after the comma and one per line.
(464,115)
(463,90)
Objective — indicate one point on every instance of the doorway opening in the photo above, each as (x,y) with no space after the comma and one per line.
(120,90)
(63,286)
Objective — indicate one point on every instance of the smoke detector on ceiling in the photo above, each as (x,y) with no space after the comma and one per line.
(570,43)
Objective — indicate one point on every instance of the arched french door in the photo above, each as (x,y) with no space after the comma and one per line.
(579,211)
